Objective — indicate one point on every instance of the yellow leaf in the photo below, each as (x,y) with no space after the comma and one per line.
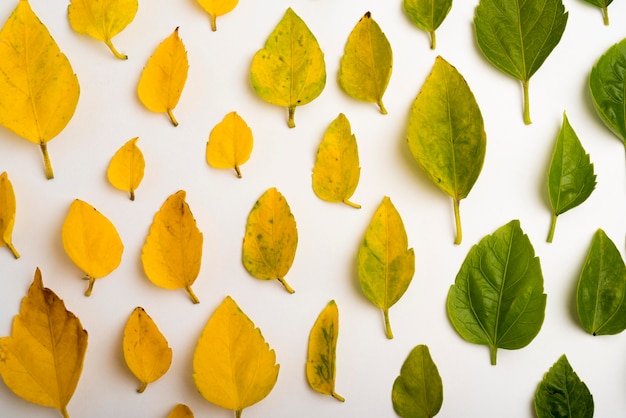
(289,71)
(181,411)
(321,357)
(39,88)
(172,253)
(91,241)
(217,8)
(42,360)
(271,238)
(365,68)
(336,171)
(230,143)
(102,20)
(164,76)
(146,351)
(233,366)
(7,213)
(126,168)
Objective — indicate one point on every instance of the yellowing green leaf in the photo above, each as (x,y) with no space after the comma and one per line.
(428,15)
(321,357)
(7,213)
(336,171)
(164,77)
(217,8)
(290,70)
(102,20)
(233,366)
(230,143)
(172,253)
(181,411)
(365,67)
(271,238)
(42,360)
(91,241)
(39,88)
(146,351)
(126,168)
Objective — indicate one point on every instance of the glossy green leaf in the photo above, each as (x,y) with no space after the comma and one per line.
(571,178)
(517,36)
(446,134)
(497,298)
(602,288)
(604,5)
(428,15)
(418,391)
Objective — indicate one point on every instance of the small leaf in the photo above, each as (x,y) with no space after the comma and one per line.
(181,411)
(428,15)
(7,214)
(385,263)
(91,241)
(230,143)
(418,391)
(164,76)
(233,366)
(336,171)
(217,8)
(172,254)
(321,357)
(604,5)
(126,168)
(146,352)
(42,360)
(365,67)
(271,238)
(602,288)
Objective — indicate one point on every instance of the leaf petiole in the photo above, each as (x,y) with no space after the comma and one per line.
(527,120)
(172,118)
(290,122)
(337,396)
(13,250)
(433,39)
(494,355)
(143,387)
(213,23)
(457,220)
(192,295)
(388,332)
(382,107)
(92,280)
(115,52)
(46,161)
(552,228)
(352,204)
(286,285)
(605,15)
(238,171)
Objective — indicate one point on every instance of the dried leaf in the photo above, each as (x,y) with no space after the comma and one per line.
(126,168)
(230,143)
(181,411)
(7,214)
(217,8)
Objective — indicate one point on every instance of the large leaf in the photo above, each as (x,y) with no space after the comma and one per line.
(217,8)
(604,5)
(497,298)
(230,143)
(7,214)
(126,168)
(428,15)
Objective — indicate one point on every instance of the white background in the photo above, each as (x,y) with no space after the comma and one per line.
(512,185)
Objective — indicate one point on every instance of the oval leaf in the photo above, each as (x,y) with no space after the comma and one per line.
(181,411)
(428,15)
(217,8)
(7,214)
(126,168)
(230,143)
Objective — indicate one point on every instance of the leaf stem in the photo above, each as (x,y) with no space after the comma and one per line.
(433,40)
(605,15)
(132,195)
(213,23)
(115,51)
(143,387)
(337,396)
(388,332)
(46,160)
(238,413)
(192,295)
(552,228)
(238,171)
(286,285)
(172,118)
(290,122)
(64,413)
(13,250)
(351,204)
(457,221)
(381,106)
(494,354)
(90,286)
(527,120)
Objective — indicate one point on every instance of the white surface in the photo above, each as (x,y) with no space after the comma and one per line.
(511,186)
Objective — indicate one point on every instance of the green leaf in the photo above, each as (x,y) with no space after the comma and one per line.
(446,134)
(561,393)
(570,178)
(602,288)
(385,265)
(517,36)
(418,391)
(428,15)
(497,298)
(604,5)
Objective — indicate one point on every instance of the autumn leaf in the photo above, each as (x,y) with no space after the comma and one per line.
(7,213)
(126,168)
(91,241)
(217,8)
(39,88)
(230,143)
(102,20)
(164,76)
(172,253)
(42,360)
(233,366)
(181,411)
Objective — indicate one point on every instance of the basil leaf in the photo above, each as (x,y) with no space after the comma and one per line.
(497,298)
(517,36)
(570,178)
(602,288)
(604,5)
(446,134)
(561,393)
(428,15)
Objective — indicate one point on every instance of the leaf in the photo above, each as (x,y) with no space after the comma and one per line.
(181,411)
(172,254)
(562,394)
(91,241)
(418,391)
(230,143)
(164,76)
(336,171)
(517,36)
(7,214)
(271,238)
(385,264)
(217,8)
(102,20)
(146,352)
(289,70)
(446,134)
(365,67)
(602,288)
(497,298)
(39,88)
(42,360)
(321,356)
(233,366)
(428,15)
(604,5)
(126,168)
(570,178)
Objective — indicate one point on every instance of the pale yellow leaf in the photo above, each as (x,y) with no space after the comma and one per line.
(126,168)
(181,411)
(230,143)
(7,213)
(217,8)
